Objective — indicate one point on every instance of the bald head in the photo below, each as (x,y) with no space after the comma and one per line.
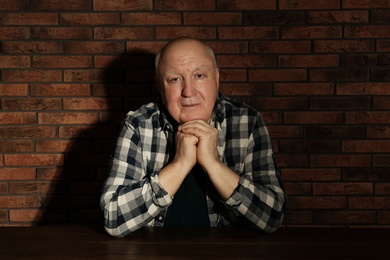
(182,43)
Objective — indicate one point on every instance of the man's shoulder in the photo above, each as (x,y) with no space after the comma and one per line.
(234,107)
(146,113)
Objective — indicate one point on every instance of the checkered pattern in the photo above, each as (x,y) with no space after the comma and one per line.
(132,196)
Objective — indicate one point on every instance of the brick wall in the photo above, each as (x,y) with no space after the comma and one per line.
(318,71)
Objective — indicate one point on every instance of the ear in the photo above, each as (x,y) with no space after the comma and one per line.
(217,77)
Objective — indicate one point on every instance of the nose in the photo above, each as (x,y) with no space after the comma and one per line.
(188,89)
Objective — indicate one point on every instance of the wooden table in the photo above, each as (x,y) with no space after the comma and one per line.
(81,242)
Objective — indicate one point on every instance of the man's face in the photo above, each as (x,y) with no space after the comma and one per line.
(188,81)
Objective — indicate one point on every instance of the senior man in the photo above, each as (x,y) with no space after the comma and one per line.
(194,157)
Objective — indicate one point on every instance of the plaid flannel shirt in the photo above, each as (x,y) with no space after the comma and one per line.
(132,196)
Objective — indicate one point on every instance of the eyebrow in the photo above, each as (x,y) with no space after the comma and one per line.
(195,69)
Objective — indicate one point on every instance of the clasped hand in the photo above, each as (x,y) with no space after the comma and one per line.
(196,142)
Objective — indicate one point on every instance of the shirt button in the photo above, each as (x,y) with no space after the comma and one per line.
(160,218)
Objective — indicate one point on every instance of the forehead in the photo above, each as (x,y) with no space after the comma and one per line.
(186,51)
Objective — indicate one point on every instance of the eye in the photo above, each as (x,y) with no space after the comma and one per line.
(199,76)
(173,80)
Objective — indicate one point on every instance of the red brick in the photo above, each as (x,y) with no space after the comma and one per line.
(344,17)
(32,76)
(202,33)
(67,118)
(17,118)
(306,89)
(298,217)
(13,90)
(310,32)
(226,75)
(17,174)
(27,132)
(382,189)
(297,188)
(291,160)
(103,5)
(344,217)
(59,90)
(245,89)
(339,74)
(87,132)
(19,201)
(144,46)
(313,117)
(341,160)
(24,188)
(33,159)
(293,103)
(90,19)
(32,104)
(184,5)
(340,103)
(246,5)
(37,215)
(14,33)
(60,5)
(367,31)
(342,46)
(248,32)
(307,61)
(277,75)
(383,217)
(3,215)
(89,76)
(381,160)
(372,174)
(63,146)
(64,33)
(281,46)
(366,146)
(341,188)
(14,62)
(43,47)
(219,18)
(311,174)
(29,19)
(365,4)
(317,202)
(228,47)
(381,103)
(368,88)
(15,146)
(368,203)
(383,45)
(12,5)
(308,146)
(91,103)
(123,33)
(282,131)
(119,90)
(367,117)
(93,47)
(308,4)
(42,62)
(378,132)
(151,18)
(244,61)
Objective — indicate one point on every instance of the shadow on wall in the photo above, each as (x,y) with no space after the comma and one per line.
(126,84)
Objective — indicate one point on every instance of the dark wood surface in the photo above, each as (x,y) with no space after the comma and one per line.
(81,242)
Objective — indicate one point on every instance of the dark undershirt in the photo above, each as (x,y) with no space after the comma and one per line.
(189,206)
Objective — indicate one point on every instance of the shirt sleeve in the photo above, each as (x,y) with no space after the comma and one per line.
(259,196)
(130,198)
